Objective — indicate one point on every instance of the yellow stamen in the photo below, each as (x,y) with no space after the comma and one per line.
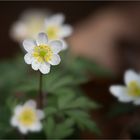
(52,32)
(134,88)
(27,117)
(42,53)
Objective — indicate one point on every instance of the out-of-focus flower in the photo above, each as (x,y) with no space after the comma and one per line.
(42,53)
(34,21)
(56,29)
(29,25)
(130,92)
(27,117)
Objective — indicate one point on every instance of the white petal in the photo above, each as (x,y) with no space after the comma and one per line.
(121,93)
(137,102)
(44,68)
(57,19)
(18,31)
(29,44)
(42,39)
(131,75)
(65,45)
(35,64)
(36,127)
(23,129)
(55,59)
(18,109)
(40,114)
(28,58)
(65,31)
(56,46)
(14,121)
(30,103)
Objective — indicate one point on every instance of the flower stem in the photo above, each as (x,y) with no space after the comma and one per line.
(40,94)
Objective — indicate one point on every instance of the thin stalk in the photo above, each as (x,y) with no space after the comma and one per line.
(40,92)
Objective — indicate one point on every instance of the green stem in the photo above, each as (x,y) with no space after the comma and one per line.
(40,94)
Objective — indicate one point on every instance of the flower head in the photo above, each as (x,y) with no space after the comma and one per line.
(131,91)
(42,53)
(27,118)
(33,21)
(56,29)
(29,25)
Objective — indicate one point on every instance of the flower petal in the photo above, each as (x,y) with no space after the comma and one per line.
(29,44)
(55,59)
(44,68)
(14,121)
(18,31)
(56,46)
(137,102)
(17,109)
(23,130)
(121,93)
(131,75)
(30,103)
(36,127)
(40,114)
(35,64)
(65,31)
(28,58)
(42,39)
(65,45)
(56,19)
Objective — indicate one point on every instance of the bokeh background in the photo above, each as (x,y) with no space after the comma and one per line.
(105,32)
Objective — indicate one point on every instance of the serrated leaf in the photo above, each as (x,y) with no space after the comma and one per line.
(64,129)
(64,100)
(83,121)
(82,103)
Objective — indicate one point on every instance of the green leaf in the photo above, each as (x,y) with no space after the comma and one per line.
(82,119)
(50,111)
(83,103)
(64,129)
(49,127)
(91,125)
(64,100)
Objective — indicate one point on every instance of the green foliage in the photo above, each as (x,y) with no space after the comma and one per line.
(66,109)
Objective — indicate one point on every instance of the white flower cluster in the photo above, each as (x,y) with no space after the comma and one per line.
(34,21)
(43,38)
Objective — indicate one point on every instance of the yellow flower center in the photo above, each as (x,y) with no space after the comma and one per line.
(27,117)
(42,53)
(134,88)
(52,32)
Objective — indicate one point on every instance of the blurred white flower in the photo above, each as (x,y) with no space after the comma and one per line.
(130,92)
(31,22)
(42,53)
(27,117)
(34,21)
(56,29)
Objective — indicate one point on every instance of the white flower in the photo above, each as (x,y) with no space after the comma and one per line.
(33,21)
(56,29)
(27,118)
(42,53)
(131,91)
(29,25)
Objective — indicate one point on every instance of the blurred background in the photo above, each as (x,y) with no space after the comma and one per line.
(105,32)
